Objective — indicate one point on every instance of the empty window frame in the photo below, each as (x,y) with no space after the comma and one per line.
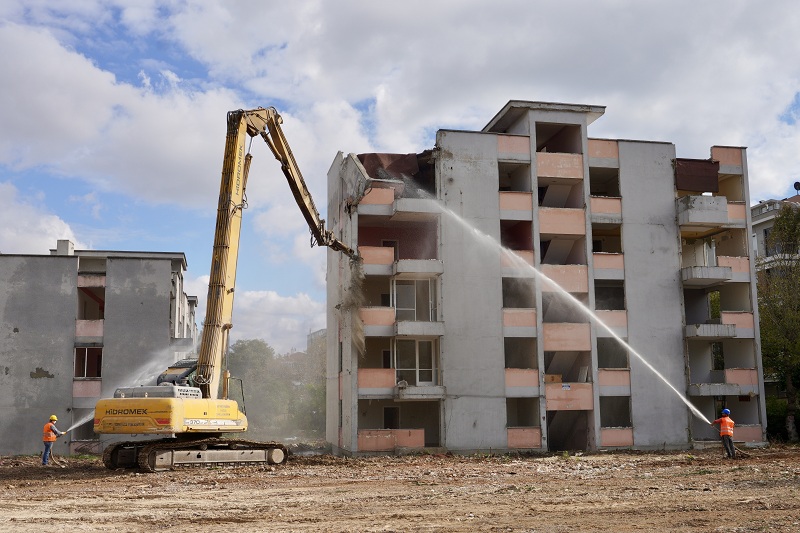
(415,361)
(414,299)
(88,362)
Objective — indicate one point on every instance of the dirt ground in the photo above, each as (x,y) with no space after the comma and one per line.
(686,491)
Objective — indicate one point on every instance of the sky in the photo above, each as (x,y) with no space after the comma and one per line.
(112,114)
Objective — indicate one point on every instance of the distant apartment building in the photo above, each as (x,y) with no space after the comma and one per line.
(763,215)
(77,324)
(446,343)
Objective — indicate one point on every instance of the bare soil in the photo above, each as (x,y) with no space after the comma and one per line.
(686,491)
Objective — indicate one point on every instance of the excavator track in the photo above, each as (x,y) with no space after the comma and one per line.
(168,454)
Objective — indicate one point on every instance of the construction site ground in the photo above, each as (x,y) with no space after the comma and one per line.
(675,491)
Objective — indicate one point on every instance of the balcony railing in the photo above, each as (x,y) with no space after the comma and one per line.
(569,396)
(514,147)
(524,437)
(387,440)
(89,328)
(557,165)
(561,221)
(615,319)
(567,337)
(571,278)
(616,437)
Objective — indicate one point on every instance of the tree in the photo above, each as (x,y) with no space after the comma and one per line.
(779,308)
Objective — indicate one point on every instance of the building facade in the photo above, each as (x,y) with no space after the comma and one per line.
(76,325)
(443,338)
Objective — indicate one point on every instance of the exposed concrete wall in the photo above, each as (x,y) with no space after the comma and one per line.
(651,243)
(472,347)
(38,306)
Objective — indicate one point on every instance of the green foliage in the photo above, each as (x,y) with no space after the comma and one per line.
(779,305)
(776,419)
(284,395)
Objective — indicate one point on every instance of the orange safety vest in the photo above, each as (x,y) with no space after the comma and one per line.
(725,426)
(49,433)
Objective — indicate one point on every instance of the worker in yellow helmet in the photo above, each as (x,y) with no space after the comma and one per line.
(49,436)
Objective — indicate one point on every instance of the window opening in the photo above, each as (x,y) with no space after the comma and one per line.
(391,418)
(88,362)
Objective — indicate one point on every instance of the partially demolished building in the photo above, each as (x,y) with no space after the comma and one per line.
(439,340)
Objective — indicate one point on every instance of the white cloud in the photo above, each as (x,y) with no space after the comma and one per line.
(27,228)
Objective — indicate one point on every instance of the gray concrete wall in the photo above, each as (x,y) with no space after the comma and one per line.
(651,243)
(472,347)
(38,305)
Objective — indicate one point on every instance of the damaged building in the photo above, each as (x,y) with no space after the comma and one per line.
(77,324)
(437,340)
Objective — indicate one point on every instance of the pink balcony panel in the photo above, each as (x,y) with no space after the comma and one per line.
(88,328)
(378,197)
(747,433)
(727,155)
(555,165)
(514,144)
(562,337)
(409,438)
(737,264)
(524,437)
(613,319)
(614,377)
(377,316)
(741,376)
(742,320)
(376,378)
(525,256)
(604,148)
(516,201)
(571,278)
(376,255)
(569,396)
(375,440)
(385,440)
(737,211)
(519,318)
(86,388)
(608,261)
(522,377)
(601,205)
(91,280)
(556,221)
(616,437)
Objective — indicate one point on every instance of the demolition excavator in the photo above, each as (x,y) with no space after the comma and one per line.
(194,416)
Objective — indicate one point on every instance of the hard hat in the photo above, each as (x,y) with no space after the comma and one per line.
(726,411)
(53,418)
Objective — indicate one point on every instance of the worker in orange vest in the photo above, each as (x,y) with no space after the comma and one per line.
(726,432)
(49,436)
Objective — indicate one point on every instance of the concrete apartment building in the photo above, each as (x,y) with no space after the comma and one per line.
(763,215)
(77,324)
(446,343)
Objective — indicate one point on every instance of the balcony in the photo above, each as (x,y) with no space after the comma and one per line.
(516,205)
(616,437)
(561,222)
(86,392)
(740,267)
(569,396)
(374,383)
(519,322)
(524,437)
(388,440)
(710,332)
(603,153)
(378,321)
(377,260)
(605,210)
(728,382)
(614,381)
(420,392)
(514,261)
(699,213)
(91,280)
(522,382)
(608,266)
(514,148)
(377,202)
(698,277)
(559,168)
(572,278)
(567,337)
(743,321)
(89,329)
(616,320)
(388,202)
(730,160)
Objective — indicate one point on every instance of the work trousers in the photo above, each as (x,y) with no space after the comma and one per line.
(46,454)
(727,443)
